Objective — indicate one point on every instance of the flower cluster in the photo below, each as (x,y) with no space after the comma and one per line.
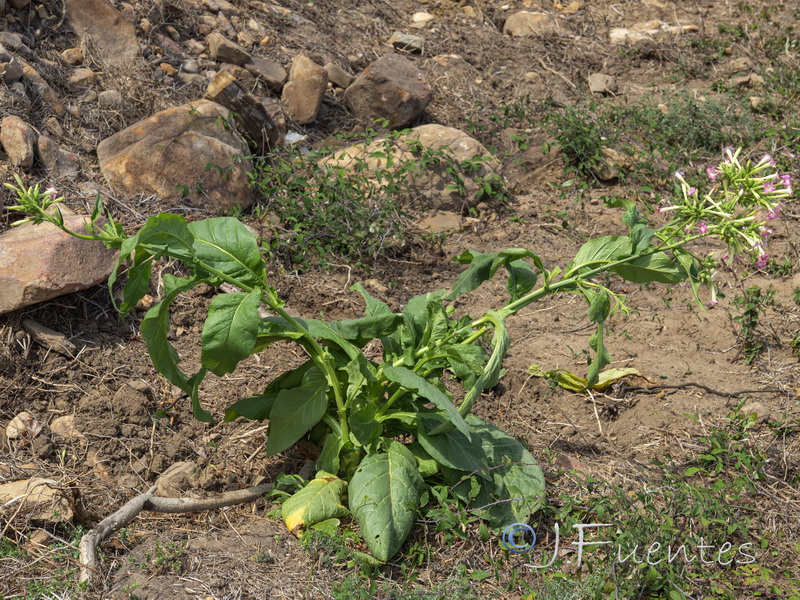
(741,200)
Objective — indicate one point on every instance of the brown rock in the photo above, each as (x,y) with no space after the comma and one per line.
(176,479)
(47,502)
(40,262)
(227,51)
(391,88)
(526,24)
(271,73)
(48,338)
(65,427)
(81,79)
(23,425)
(17,139)
(305,89)
(109,31)
(72,56)
(43,89)
(56,161)
(172,148)
(600,83)
(11,71)
(110,99)
(338,76)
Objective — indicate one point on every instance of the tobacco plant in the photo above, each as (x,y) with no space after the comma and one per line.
(389,427)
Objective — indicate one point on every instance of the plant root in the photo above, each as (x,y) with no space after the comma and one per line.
(90,565)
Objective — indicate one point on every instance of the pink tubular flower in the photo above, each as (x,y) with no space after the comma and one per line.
(769,187)
(52,192)
(692,191)
(713,303)
(702,227)
(712,173)
(786,179)
(762,260)
(774,213)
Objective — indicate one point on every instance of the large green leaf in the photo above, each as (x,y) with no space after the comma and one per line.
(384,498)
(482,267)
(167,235)
(515,489)
(296,411)
(650,268)
(452,449)
(411,381)
(138,281)
(360,331)
(155,329)
(225,244)
(259,406)
(374,306)
(321,499)
(229,333)
(600,250)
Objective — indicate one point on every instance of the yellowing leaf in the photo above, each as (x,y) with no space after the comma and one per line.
(570,381)
(318,501)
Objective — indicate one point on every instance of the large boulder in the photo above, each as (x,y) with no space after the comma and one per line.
(111,34)
(391,88)
(168,154)
(40,262)
(429,186)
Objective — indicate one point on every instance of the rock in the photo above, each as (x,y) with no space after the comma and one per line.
(645,30)
(194,47)
(72,56)
(23,425)
(338,76)
(421,19)
(433,184)
(113,36)
(16,43)
(40,262)
(526,24)
(19,4)
(80,80)
(43,89)
(271,73)
(191,66)
(49,339)
(761,412)
(600,83)
(305,89)
(756,101)
(391,88)
(173,148)
(47,502)
(538,163)
(110,99)
(224,50)
(252,117)
(614,162)
(11,71)
(57,162)
(739,65)
(176,479)
(65,427)
(168,69)
(751,80)
(17,139)
(440,221)
(406,42)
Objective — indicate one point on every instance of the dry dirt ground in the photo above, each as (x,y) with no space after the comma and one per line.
(132,425)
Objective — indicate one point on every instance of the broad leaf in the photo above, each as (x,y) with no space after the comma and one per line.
(363,425)
(127,246)
(229,333)
(570,381)
(225,244)
(296,411)
(259,406)
(515,490)
(167,235)
(374,306)
(329,457)
(155,329)
(598,251)
(384,498)
(650,268)
(521,278)
(452,449)
(411,381)
(599,307)
(689,266)
(482,267)
(320,500)
(363,330)
(138,281)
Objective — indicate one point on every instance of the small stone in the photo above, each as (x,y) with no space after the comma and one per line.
(271,73)
(194,47)
(110,99)
(265,41)
(224,50)
(81,79)
(526,24)
(43,495)
(168,69)
(56,161)
(762,413)
(19,4)
(72,56)
(65,427)
(112,36)
(338,76)
(191,66)
(406,42)
(173,33)
(469,12)
(176,479)
(11,71)
(376,286)
(421,19)
(305,89)
(756,101)
(739,65)
(600,83)
(751,80)
(24,424)
(441,221)
(17,139)
(146,26)
(46,337)
(43,89)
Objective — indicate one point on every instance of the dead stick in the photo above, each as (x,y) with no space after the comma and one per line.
(90,565)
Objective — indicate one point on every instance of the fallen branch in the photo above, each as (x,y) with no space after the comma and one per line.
(90,565)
